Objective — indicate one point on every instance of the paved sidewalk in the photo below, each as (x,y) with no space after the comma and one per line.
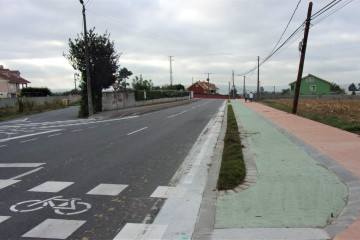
(295,196)
(341,146)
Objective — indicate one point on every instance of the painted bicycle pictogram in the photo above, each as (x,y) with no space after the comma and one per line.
(60,205)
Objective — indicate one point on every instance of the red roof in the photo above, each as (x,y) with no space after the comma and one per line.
(12,76)
(205,85)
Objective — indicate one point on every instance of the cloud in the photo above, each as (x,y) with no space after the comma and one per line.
(214,36)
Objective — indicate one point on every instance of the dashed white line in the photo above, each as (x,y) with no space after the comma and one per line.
(2,146)
(30,140)
(141,129)
(54,135)
(76,130)
(93,127)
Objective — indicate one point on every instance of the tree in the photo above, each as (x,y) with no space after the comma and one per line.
(177,87)
(121,77)
(336,88)
(138,83)
(285,91)
(352,87)
(103,66)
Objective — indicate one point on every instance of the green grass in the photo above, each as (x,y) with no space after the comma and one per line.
(325,118)
(8,113)
(232,170)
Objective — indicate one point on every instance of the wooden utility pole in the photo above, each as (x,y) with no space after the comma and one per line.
(208,79)
(258,81)
(88,83)
(244,89)
(302,59)
(233,79)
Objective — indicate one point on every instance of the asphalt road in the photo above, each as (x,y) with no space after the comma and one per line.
(104,170)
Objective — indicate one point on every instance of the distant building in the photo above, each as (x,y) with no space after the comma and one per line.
(11,83)
(203,87)
(311,85)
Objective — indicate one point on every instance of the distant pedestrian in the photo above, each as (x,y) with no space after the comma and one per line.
(246,96)
(251,96)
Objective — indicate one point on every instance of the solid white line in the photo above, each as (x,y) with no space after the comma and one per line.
(54,135)
(29,135)
(22,165)
(27,173)
(137,131)
(33,139)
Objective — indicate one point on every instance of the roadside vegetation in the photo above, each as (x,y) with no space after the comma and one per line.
(24,108)
(232,170)
(343,114)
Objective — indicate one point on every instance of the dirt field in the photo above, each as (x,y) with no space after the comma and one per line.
(344,113)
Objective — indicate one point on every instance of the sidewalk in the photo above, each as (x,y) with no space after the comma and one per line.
(295,195)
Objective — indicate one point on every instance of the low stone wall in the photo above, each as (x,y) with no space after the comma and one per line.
(113,101)
(161,100)
(10,102)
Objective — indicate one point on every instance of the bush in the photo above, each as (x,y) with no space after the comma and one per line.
(35,92)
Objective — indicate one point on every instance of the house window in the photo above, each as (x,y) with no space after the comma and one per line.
(310,79)
(313,88)
(196,85)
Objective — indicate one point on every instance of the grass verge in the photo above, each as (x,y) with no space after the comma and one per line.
(232,170)
(331,112)
(8,113)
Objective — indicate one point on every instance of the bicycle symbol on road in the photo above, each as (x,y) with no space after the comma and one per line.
(60,205)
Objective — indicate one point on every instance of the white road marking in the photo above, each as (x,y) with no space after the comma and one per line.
(29,135)
(3,218)
(54,228)
(108,189)
(141,129)
(141,232)
(51,186)
(169,192)
(76,130)
(5,183)
(27,173)
(29,140)
(22,165)
(93,127)
(175,115)
(2,146)
(54,135)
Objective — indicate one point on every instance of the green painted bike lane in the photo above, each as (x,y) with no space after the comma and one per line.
(292,190)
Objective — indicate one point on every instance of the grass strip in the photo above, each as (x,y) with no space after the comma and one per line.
(325,117)
(232,170)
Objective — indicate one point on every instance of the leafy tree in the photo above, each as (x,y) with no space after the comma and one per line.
(103,66)
(233,91)
(177,87)
(121,77)
(285,91)
(336,88)
(352,87)
(138,83)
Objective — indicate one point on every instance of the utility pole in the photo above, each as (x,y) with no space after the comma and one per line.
(88,83)
(233,78)
(258,81)
(229,90)
(208,79)
(244,89)
(302,59)
(171,77)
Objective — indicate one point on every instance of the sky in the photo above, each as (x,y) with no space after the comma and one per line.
(203,36)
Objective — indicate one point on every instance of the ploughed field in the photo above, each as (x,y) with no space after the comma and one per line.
(344,114)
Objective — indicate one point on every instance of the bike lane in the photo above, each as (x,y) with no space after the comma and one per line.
(292,191)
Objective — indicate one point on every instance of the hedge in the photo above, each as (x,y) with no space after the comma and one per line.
(156,94)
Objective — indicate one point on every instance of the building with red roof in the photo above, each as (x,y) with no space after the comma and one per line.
(203,87)
(11,83)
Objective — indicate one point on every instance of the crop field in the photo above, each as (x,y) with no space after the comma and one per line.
(344,114)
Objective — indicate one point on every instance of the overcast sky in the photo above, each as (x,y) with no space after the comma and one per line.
(215,36)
